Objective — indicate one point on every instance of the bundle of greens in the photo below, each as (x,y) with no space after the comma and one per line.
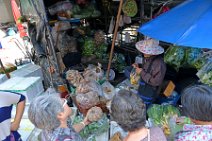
(88,48)
(93,129)
(174,56)
(161,115)
(205,73)
(191,55)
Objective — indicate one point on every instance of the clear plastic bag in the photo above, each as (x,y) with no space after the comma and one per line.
(134,77)
(108,90)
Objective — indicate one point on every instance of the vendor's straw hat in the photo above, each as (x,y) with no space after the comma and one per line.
(149,46)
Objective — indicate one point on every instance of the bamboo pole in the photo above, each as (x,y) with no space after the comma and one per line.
(114,38)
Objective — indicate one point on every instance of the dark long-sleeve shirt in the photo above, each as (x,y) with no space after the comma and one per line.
(157,71)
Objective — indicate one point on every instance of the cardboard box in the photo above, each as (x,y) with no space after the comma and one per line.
(169,89)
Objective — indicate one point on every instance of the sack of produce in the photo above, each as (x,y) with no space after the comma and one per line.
(94,114)
(87,100)
(205,73)
(108,90)
(202,60)
(74,77)
(93,73)
(191,55)
(89,86)
(174,56)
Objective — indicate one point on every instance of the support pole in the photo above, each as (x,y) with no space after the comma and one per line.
(114,38)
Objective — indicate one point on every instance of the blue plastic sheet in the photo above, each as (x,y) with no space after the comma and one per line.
(189,24)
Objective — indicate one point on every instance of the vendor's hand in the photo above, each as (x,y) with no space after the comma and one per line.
(14,126)
(138,70)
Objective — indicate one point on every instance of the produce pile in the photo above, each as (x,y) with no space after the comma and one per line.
(204,65)
(177,56)
(161,116)
(93,129)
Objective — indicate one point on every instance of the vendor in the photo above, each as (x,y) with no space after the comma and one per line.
(52,114)
(151,71)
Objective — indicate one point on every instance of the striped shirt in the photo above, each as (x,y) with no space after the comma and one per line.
(7,99)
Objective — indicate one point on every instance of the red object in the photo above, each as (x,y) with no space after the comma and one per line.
(162,10)
(17,15)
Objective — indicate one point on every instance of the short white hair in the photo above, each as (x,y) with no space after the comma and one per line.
(43,111)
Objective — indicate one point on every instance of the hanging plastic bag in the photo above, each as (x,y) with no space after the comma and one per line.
(205,73)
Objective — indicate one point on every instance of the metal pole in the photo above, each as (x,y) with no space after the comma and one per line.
(114,38)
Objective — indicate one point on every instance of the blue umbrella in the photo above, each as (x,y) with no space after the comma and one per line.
(189,24)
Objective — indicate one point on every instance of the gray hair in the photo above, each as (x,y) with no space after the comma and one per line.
(43,111)
(128,110)
(197,102)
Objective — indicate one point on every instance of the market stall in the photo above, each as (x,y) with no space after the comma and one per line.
(72,45)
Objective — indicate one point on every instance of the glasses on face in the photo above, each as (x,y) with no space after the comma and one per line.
(65,102)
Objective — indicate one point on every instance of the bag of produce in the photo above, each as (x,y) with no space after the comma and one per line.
(87,100)
(93,73)
(89,86)
(205,73)
(174,56)
(108,90)
(74,77)
(202,60)
(134,77)
(191,55)
(94,114)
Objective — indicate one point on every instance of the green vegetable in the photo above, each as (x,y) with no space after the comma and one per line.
(191,55)
(88,48)
(93,129)
(174,56)
(205,73)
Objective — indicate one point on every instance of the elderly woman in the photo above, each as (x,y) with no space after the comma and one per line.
(152,70)
(197,105)
(129,111)
(51,114)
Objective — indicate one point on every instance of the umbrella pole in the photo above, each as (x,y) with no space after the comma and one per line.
(114,38)
(4,70)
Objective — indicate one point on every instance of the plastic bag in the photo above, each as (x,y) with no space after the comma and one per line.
(174,56)
(205,73)
(108,90)
(191,55)
(134,77)
(89,86)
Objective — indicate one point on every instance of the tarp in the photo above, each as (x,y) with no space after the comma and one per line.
(189,24)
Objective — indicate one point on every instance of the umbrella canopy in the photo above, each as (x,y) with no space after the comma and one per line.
(189,24)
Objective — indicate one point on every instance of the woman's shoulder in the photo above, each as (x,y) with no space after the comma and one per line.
(156,134)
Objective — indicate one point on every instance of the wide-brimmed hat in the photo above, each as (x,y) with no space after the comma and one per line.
(149,46)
